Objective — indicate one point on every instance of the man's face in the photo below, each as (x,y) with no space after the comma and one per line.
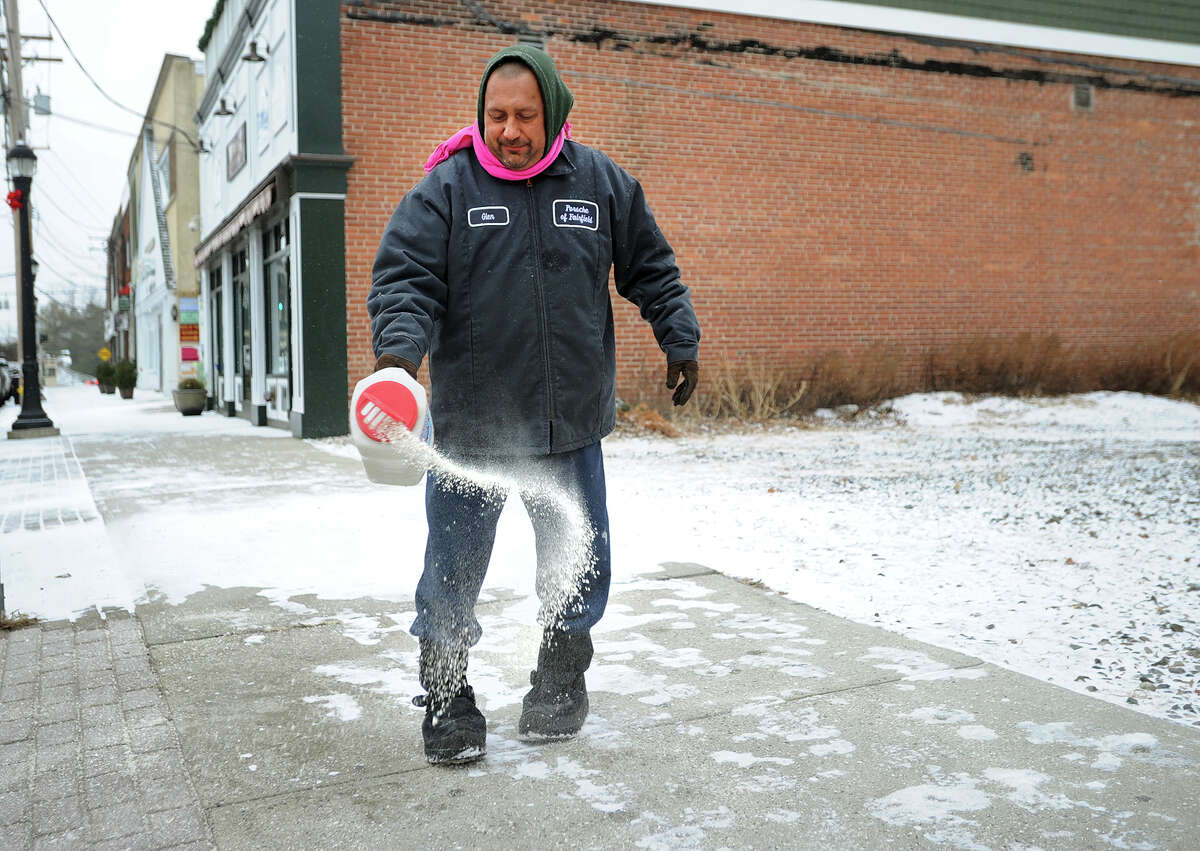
(514,128)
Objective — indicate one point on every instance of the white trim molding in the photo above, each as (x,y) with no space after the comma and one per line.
(909,21)
(320,196)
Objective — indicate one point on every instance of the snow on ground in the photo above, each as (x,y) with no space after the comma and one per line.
(1056,537)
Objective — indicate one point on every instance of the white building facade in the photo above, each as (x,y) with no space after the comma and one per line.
(157,341)
(272,194)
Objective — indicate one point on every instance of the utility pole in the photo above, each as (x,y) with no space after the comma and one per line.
(16,91)
(16,125)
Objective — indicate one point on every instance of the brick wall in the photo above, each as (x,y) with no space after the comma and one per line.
(824,188)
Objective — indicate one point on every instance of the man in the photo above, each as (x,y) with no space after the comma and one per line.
(496,265)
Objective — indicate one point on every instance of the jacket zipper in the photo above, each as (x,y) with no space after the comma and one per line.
(541,298)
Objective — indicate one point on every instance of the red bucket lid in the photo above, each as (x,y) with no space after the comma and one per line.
(382,402)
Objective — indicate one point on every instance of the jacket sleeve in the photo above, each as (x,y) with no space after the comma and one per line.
(646,274)
(408,280)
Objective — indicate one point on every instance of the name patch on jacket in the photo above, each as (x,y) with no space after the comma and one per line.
(481,217)
(571,213)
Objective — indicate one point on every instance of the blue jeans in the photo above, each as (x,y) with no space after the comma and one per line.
(462,530)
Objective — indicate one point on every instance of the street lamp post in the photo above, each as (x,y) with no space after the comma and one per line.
(32,421)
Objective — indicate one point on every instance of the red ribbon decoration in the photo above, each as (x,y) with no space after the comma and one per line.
(14,199)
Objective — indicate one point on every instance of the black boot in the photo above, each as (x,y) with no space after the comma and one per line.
(454,730)
(558,702)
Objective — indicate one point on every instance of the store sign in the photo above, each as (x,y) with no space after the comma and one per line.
(235,153)
(189,310)
(123,303)
(189,354)
(189,333)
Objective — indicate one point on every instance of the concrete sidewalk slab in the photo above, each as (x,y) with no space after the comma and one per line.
(152,471)
(723,715)
(727,716)
(216,612)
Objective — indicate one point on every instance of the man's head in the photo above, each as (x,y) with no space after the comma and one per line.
(514,126)
(523,104)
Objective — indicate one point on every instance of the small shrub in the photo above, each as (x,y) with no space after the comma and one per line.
(191,384)
(105,373)
(126,374)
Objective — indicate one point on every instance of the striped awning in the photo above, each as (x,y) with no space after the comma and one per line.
(249,211)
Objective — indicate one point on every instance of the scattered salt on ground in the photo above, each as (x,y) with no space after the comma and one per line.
(1055,537)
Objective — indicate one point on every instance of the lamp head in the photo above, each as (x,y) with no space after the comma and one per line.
(22,161)
(252,55)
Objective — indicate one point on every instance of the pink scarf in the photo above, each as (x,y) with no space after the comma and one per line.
(469,136)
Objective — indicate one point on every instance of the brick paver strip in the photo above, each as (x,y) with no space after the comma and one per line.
(44,487)
(88,755)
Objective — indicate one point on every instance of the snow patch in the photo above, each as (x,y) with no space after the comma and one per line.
(343,707)
(745,760)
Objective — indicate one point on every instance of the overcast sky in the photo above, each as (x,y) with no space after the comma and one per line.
(81,168)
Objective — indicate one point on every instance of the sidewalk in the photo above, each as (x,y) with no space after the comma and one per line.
(723,715)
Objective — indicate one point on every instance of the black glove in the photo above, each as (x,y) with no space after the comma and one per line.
(384,361)
(691,377)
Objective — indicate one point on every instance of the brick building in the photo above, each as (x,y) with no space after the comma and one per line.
(835,176)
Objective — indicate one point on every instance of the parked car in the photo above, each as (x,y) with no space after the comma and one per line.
(8,388)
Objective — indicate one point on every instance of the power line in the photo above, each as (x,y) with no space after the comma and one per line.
(37,240)
(97,229)
(85,71)
(64,168)
(110,98)
(85,258)
(67,279)
(43,243)
(92,124)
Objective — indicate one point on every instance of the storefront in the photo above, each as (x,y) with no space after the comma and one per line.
(247,296)
(272,190)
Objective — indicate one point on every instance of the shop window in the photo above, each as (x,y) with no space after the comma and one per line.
(277,297)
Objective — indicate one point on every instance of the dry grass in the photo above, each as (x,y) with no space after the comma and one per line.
(16,621)
(1023,364)
(754,392)
(863,379)
(643,418)
(1028,365)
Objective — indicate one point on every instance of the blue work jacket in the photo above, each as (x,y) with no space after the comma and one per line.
(504,284)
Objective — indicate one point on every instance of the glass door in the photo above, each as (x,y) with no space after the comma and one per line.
(243,348)
(277,299)
(216,334)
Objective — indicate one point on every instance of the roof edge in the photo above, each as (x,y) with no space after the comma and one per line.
(983,30)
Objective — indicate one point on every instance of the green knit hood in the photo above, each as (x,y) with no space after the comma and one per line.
(557,99)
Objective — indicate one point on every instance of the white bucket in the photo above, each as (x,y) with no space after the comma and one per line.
(381,401)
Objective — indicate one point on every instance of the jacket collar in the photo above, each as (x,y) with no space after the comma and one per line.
(563,164)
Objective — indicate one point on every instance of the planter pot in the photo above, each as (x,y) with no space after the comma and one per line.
(126,392)
(190,403)
(108,388)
